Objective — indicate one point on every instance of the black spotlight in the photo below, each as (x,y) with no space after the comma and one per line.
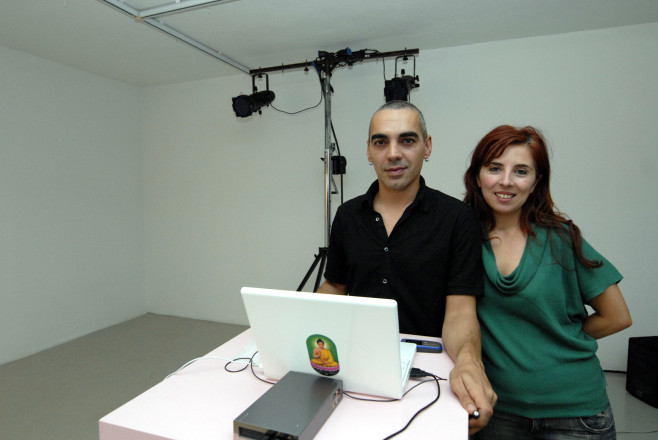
(398,88)
(245,105)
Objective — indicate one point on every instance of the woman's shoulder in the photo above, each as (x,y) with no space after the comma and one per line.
(561,229)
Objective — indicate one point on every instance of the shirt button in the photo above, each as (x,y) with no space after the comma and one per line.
(385,249)
(384,281)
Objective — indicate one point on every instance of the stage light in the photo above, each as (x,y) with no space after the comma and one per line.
(399,87)
(245,105)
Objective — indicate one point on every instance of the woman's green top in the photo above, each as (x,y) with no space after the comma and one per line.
(537,357)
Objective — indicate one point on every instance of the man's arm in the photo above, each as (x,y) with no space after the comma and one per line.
(462,341)
(333,288)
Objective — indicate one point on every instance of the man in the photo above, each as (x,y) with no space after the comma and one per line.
(418,246)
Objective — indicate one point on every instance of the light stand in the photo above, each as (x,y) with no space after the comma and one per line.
(321,256)
(324,65)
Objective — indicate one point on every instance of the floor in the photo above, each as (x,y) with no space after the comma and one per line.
(61,393)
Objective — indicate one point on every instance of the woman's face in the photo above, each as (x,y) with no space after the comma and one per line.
(508,181)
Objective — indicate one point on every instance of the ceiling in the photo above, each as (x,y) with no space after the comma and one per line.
(97,37)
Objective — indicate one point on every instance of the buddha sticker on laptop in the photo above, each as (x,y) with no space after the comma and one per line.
(323,355)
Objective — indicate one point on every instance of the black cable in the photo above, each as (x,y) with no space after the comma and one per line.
(256,376)
(235,360)
(418,373)
(298,111)
(345,393)
(302,110)
(249,364)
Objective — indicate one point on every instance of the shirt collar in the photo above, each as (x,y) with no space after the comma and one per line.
(420,200)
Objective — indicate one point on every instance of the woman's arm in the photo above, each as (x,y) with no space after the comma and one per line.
(611,314)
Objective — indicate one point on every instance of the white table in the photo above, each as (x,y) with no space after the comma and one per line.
(201,401)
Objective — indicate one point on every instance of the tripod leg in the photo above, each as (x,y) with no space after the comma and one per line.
(318,258)
(323,252)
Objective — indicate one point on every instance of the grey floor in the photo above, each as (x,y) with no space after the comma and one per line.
(62,392)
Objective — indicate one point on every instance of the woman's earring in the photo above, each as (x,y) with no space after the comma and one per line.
(427,159)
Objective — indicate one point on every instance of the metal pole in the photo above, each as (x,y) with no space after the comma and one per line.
(328,151)
(321,257)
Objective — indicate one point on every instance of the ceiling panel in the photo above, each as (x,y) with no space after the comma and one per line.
(92,36)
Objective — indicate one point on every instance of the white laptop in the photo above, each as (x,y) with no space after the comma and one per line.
(355,339)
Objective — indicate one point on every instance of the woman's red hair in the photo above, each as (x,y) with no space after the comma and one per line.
(539,208)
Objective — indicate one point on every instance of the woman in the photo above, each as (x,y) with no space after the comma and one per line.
(539,342)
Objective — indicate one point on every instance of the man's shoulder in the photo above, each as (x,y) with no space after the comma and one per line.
(354,203)
(438,198)
(358,202)
(352,209)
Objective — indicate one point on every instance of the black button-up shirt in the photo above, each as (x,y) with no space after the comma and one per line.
(434,250)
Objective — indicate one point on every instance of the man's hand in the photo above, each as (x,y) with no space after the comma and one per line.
(461,338)
(469,382)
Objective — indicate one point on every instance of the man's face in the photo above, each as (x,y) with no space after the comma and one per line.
(396,148)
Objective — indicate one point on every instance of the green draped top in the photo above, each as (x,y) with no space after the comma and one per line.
(537,357)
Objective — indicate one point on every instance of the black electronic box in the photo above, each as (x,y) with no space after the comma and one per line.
(295,408)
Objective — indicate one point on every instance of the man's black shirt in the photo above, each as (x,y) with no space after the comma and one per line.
(433,251)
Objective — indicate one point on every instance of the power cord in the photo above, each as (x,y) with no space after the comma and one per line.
(417,373)
(249,364)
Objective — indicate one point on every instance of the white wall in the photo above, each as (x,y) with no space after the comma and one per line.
(71,204)
(233,202)
(116,201)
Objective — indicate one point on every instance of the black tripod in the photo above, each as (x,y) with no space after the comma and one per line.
(321,258)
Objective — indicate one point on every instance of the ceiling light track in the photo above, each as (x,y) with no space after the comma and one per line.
(149,15)
(194,43)
(181,6)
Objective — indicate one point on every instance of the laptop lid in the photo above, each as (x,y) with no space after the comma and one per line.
(352,338)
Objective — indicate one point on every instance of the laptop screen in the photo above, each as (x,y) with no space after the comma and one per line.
(352,338)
